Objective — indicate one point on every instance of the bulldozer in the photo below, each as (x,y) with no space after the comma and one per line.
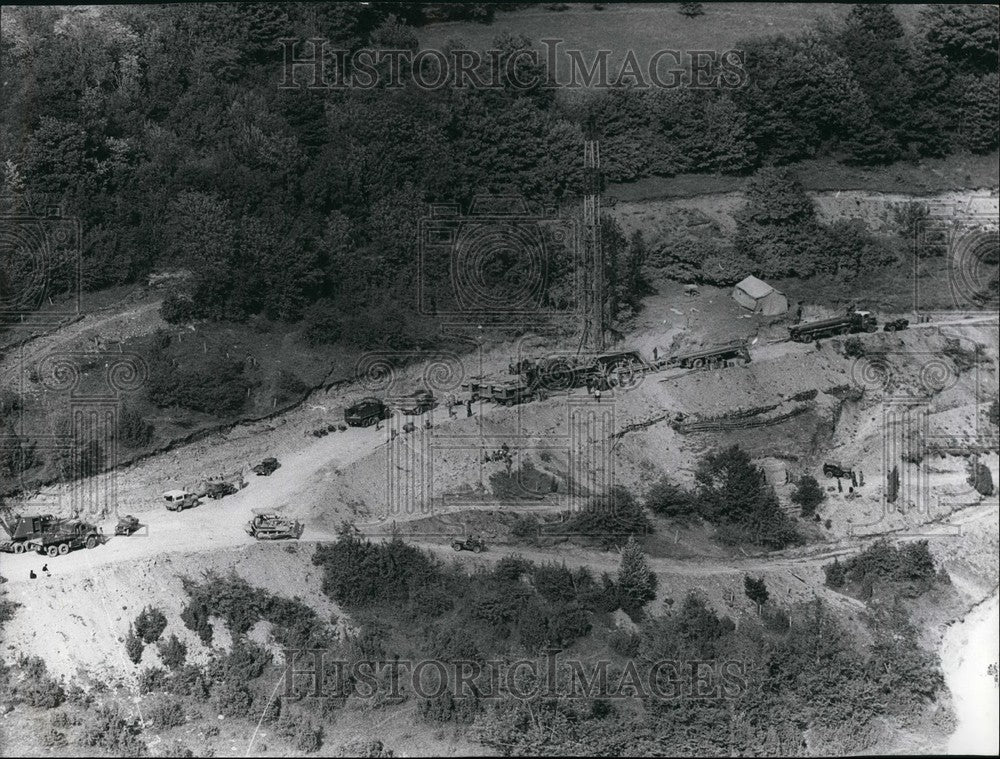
(266,525)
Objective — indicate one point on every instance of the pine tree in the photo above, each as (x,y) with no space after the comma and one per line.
(756,590)
(636,581)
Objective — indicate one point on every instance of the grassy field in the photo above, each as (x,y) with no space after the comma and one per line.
(931,175)
(645,28)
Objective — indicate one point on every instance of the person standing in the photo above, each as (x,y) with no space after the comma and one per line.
(597,394)
(468,408)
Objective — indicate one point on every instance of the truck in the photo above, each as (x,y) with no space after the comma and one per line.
(178,500)
(267,467)
(366,412)
(267,525)
(850,323)
(516,391)
(711,357)
(62,536)
(417,403)
(21,529)
(554,373)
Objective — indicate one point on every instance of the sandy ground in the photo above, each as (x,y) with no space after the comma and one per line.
(969,647)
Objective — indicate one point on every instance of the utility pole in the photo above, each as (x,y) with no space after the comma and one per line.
(593,268)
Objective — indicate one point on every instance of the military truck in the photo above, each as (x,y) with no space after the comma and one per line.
(366,412)
(836,470)
(62,536)
(216,489)
(21,529)
(267,467)
(127,525)
(896,325)
(178,500)
(711,357)
(417,403)
(516,391)
(267,525)
(474,543)
(848,324)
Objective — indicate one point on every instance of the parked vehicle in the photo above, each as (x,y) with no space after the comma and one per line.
(516,391)
(219,489)
(851,323)
(267,467)
(270,526)
(711,357)
(474,544)
(835,470)
(64,535)
(178,500)
(366,412)
(127,525)
(417,403)
(896,325)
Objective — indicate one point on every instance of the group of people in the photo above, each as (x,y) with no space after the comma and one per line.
(33,576)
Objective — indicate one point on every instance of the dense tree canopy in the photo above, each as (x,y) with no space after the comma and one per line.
(163,130)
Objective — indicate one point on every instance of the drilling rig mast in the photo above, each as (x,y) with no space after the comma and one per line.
(593,261)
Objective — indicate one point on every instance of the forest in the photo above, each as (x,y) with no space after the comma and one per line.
(162,129)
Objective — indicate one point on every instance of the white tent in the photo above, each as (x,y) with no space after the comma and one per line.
(760,297)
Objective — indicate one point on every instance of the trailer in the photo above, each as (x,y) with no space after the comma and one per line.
(850,323)
(722,355)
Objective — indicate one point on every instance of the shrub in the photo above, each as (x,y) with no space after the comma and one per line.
(177,308)
(109,729)
(636,581)
(152,679)
(232,699)
(164,711)
(133,430)
(854,347)
(610,520)
(177,749)
(908,568)
(670,500)
(289,385)
(52,738)
(358,572)
(756,590)
(150,624)
(173,652)
(808,494)
(734,493)
(219,388)
(305,734)
(447,708)
(195,617)
(133,646)
(38,688)
(980,478)
(624,642)
(524,527)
